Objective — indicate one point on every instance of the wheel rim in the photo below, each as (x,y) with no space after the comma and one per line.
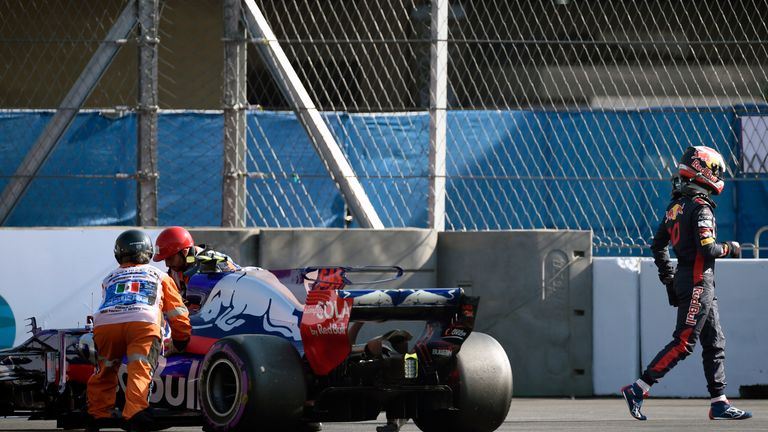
(223,387)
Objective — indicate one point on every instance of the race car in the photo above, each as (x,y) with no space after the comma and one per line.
(277,350)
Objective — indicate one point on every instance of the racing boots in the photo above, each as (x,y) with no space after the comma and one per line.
(92,424)
(634,396)
(723,410)
(142,421)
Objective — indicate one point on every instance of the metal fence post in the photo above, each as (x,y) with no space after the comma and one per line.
(308,115)
(147,174)
(234,101)
(438,84)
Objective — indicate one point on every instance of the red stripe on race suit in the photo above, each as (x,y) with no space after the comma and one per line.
(698,269)
(675,353)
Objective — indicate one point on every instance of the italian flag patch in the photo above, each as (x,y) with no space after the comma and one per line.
(127,287)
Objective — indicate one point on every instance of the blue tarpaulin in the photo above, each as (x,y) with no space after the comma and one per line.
(605,171)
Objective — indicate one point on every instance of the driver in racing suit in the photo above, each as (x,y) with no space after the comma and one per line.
(689,224)
(135,297)
(175,246)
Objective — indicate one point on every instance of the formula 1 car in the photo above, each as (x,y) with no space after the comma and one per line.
(276,350)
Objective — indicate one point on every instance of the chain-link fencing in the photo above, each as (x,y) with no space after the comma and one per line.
(558,114)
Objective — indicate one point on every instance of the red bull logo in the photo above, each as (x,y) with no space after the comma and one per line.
(706,172)
(695,306)
(674,212)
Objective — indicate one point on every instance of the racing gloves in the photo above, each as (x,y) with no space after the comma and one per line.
(671,295)
(171,347)
(180,345)
(668,280)
(732,249)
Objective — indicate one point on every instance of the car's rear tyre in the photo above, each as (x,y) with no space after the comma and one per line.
(482,390)
(251,382)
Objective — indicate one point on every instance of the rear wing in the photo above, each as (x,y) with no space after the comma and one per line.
(405,304)
(382,304)
(448,313)
(340,277)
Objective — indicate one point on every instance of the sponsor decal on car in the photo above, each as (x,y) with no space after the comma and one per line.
(174,382)
(258,301)
(324,330)
(441,352)
(455,333)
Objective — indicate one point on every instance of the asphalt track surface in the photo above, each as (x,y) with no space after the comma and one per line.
(596,415)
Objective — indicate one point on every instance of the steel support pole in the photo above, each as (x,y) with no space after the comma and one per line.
(146,148)
(235,102)
(329,150)
(438,87)
(68,109)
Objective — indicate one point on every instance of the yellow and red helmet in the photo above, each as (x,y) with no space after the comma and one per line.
(170,241)
(704,166)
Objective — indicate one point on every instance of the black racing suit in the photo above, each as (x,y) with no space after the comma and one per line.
(689,225)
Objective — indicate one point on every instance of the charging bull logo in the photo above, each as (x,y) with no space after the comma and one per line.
(673,212)
(425,297)
(709,156)
(704,155)
(251,296)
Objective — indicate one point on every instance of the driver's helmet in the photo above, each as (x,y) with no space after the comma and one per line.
(170,241)
(703,166)
(133,246)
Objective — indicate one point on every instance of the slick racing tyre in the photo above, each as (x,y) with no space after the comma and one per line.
(482,390)
(251,381)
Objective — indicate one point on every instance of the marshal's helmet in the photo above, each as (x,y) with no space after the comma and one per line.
(703,166)
(171,241)
(133,246)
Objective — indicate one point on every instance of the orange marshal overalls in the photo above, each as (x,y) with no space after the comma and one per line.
(128,323)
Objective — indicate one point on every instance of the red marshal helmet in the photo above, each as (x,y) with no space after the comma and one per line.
(170,241)
(704,166)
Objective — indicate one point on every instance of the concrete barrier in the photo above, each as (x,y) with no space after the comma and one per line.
(633,321)
(411,249)
(536,300)
(616,329)
(740,290)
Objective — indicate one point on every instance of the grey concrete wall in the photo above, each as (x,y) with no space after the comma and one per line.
(411,249)
(616,323)
(414,250)
(240,244)
(633,321)
(536,300)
